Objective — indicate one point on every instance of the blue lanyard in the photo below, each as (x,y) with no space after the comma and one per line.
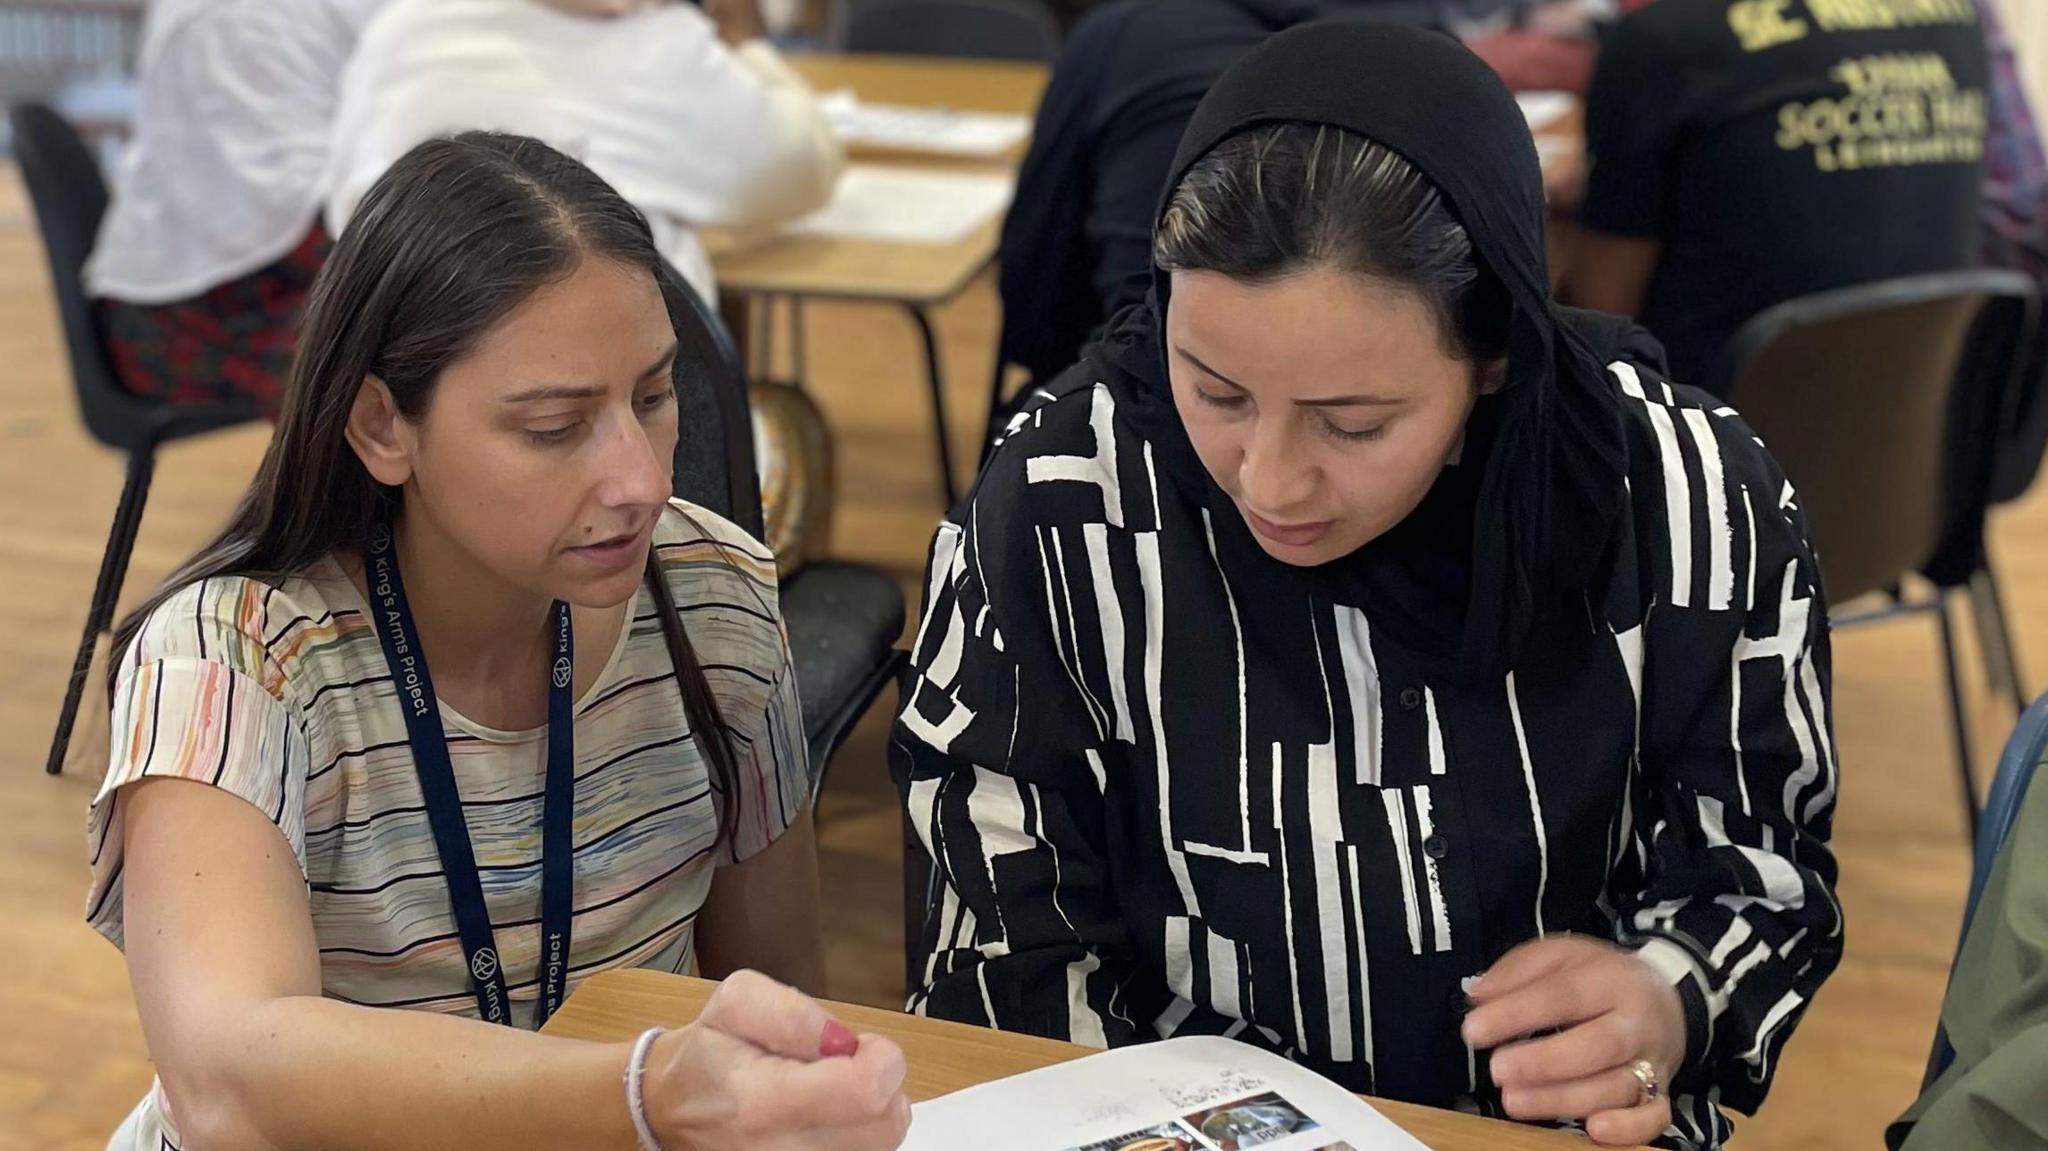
(415,690)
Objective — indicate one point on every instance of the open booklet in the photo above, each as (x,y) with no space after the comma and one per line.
(1195,1094)
(909,128)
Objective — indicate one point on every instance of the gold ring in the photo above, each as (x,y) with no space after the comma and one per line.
(1646,1077)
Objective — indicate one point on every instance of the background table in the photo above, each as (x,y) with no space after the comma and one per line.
(617,1005)
(917,277)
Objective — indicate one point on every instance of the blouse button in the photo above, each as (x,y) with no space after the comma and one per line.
(1435,847)
(1410,699)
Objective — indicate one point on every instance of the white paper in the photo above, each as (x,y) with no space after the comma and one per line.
(908,128)
(1195,1094)
(908,205)
(1542,109)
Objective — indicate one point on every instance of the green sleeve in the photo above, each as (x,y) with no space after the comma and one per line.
(1995,1095)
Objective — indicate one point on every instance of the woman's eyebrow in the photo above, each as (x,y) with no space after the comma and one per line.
(1361,399)
(556,392)
(1353,400)
(1192,358)
(661,364)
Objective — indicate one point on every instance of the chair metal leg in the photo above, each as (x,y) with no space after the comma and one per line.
(2001,655)
(1965,776)
(760,336)
(936,380)
(106,591)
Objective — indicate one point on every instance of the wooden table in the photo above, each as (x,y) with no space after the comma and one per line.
(614,1006)
(917,277)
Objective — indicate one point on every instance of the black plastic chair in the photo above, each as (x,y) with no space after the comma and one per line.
(2023,436)
(2017,429)
(982,29)
(2024,751)
(843,619)
(70,196)
(1857,392)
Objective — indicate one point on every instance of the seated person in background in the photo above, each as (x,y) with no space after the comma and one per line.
(213,234)
(1994,1096)
(1077,240)
(1314,654)
(1747,152)
(333,872)
(2015,209)
(686,110)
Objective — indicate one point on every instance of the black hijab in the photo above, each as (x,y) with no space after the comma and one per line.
(1524,520)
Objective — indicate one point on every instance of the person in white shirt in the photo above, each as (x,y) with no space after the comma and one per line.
(212,240)
(213,236)
(686,110)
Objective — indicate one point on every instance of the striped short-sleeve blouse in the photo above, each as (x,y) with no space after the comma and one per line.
(277,692)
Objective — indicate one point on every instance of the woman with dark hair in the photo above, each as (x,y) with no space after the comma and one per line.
(460,708)
(1359,655)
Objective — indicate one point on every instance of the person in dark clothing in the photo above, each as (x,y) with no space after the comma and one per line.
(1358,655)
(1076,243)
(1744,153)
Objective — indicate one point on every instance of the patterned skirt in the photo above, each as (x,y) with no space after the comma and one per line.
(234,341)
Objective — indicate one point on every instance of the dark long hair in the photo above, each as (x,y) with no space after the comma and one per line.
(454,236)
(1278,198)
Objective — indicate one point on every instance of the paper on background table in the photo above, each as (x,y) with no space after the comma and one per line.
(908,205)
(910,128)
(1542,109)
(1092,1101)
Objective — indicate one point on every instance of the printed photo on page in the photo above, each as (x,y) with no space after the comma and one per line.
(1190,1094)
(1259,1121)
(1164,1137)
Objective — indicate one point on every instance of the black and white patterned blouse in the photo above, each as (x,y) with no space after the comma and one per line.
(1169,791)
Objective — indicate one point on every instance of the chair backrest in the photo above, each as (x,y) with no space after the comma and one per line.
(70,197)
(1988,431)
(1853,390)
(714,465)
(2024,751)
(2023,433)
(985,29)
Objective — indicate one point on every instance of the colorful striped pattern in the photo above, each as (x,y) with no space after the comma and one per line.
(278,693)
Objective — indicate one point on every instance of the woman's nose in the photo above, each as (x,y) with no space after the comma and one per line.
(636,473)
(1274,476)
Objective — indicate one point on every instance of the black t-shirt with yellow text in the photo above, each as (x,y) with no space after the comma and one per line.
(1776,148)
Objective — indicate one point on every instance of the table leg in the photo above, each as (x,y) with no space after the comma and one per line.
(799,372)
(761,326)
(936,380)
(738,313)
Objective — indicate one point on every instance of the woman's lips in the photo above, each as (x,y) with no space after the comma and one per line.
(1299,535)
(612,553)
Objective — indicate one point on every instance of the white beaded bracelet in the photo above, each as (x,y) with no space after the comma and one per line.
(636,1103)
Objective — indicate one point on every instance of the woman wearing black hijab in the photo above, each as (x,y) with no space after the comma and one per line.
(1360,655)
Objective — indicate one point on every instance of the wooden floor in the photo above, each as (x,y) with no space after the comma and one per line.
(72,1059)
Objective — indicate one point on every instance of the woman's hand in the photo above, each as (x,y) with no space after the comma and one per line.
(767,1068)
(1608,1009)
